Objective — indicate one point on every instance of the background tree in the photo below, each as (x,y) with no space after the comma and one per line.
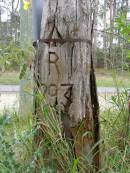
(112,41)
(10,21)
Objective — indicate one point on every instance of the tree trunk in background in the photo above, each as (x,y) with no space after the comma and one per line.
(111,31)
(124,5)
(26,83)
(113,55)
(105,35)
(65,71)
(124,11)
(95,21)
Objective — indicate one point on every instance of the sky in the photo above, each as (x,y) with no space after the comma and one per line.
(5,14)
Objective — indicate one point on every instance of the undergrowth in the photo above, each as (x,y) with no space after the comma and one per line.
(115,132)
(20,154)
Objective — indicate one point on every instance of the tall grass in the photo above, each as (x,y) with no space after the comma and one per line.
(52,153)
(20,154)
(59,151)
(115,132)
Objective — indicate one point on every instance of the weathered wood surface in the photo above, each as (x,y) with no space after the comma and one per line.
(65,69)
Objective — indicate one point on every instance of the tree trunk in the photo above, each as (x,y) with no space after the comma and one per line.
(64,69)
(104,35)
(111,30)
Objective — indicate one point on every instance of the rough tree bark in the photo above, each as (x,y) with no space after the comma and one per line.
(65,70)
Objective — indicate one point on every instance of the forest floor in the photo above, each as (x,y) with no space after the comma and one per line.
(105,78)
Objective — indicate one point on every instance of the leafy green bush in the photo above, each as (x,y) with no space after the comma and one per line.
(13,57)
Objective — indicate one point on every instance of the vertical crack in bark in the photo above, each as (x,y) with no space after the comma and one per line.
(72,53)
(95,109)
(76,12)
(66,119)
(95,105)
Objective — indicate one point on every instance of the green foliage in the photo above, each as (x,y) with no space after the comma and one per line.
(122,25)
(13,57)
(29,53)
(124,29)
(16,149)
(116,134)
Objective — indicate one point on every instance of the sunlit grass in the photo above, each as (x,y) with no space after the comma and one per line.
(9,78)
(104,78)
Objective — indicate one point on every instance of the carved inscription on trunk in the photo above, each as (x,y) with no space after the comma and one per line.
(58,86)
